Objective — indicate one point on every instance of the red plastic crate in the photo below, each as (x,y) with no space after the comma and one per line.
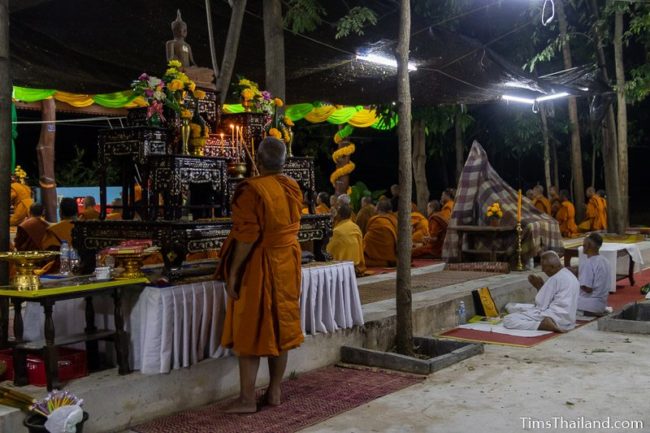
(72,365)
(7,356)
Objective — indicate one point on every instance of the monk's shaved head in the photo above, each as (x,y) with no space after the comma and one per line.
(271,154)
(343,199)
(384,206)
(344,212)
(366,200)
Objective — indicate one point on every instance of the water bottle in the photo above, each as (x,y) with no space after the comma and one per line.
(74,261)
(462,319)
(64,258)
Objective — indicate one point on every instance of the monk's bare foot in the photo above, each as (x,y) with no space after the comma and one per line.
(240,406)
(272,397)
(548,324)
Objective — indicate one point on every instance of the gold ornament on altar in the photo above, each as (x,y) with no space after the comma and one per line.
(237,170)
(25,262)
(130,259)
(494,213)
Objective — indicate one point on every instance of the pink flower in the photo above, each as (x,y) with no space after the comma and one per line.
(148,92)
(266,95)
(143,77)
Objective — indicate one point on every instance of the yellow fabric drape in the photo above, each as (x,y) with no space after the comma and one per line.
(320,114)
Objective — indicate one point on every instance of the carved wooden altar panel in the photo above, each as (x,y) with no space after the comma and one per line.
(137,143)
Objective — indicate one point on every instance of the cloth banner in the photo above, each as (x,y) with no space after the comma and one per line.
(480,186)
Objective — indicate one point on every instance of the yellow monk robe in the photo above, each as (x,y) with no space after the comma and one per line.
(322,209)
(21,200)
(595,213)
(566,216)
(380,241)
(543,204)
(419,227)
(347,244)
(364,215)
(89,214)
(437,231)
(265,320)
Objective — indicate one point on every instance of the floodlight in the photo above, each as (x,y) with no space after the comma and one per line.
(381,60)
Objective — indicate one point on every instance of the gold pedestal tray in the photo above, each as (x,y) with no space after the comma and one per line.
(131,262)
(25,262)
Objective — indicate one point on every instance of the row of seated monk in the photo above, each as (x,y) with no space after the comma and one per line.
(560,207)
(369,238)
(562,295)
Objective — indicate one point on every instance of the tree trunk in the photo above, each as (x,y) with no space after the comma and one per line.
(45,155)
(621,118)
(593,160)
(404,337)
(574,128)
(231,47)
(274,48)
(419,166)
(610,147)
(460,148)
(547,156)
(5,148)
(556,169)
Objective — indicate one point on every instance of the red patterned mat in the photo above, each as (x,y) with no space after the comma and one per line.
(311,398)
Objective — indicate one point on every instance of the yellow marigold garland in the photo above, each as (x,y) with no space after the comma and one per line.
(340,172)
(344,151)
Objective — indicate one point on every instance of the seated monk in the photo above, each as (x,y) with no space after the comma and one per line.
(566,215)
(366,212)
(541,202)
(554,198)
(61,231)
(596,215)
(341,200)
(116,210)
(321,203)
(89,212)
(419,225)
(555,304)
(21,200)
(447,201)
(380,240)
(30,233)
(347,241)
(600,194)
(431,246)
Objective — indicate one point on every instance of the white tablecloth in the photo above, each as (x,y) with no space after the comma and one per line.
(330,298)
(610,252)
(177,326)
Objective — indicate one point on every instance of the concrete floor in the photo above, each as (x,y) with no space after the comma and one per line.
(585,373)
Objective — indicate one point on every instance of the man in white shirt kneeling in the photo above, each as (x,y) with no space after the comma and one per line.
(595,276)
(555,304)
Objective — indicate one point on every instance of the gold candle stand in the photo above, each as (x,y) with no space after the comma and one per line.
(519,266)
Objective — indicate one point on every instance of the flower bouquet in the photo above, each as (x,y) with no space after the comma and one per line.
(494,214)
(170,92)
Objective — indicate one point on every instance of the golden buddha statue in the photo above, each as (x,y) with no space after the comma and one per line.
(179,49)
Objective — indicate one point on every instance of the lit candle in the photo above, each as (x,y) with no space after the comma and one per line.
(222,144)
(519,206)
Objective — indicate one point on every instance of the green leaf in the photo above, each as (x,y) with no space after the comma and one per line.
(354,22)
(304,15)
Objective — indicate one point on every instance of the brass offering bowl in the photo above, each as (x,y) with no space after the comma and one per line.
(25,262)
(237,169)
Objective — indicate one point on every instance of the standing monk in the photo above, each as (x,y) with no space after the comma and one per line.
(260,262)
(566,216)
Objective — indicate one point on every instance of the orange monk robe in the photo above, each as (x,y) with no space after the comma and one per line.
(566,215)
(21,199)
(432,247)
(595,213)
(543,204)
(380,241)
(603,211)
(364,215)
(57,233)
(447,209)
(419,227)
(30,233)
(346,244)
(322,209)
(89,214)
(265,320)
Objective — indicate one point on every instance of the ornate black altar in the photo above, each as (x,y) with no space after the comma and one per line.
(182,202)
